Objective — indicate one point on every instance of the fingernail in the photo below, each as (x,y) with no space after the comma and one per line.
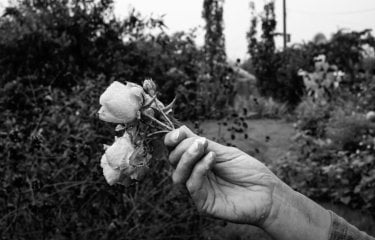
(194,148)
(202,140)
(174,135)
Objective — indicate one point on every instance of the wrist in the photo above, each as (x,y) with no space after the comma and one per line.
(294,216)
(281,196)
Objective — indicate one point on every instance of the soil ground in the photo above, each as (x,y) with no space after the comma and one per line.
(268,138)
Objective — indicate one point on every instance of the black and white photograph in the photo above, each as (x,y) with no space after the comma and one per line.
(187,120)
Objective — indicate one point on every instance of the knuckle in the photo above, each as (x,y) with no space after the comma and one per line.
(190,186)
(184,163)
(188,156)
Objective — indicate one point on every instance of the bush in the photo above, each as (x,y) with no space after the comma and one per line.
(312,118)
(324,173)
(55,60)
(333,158)
(268,108)
(52,184)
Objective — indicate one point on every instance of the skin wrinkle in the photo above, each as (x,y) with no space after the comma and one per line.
(240,189)
(196,191)
(230,181)
(262,215)
(230,205)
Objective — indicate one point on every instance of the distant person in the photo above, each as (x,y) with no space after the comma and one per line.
(226,183)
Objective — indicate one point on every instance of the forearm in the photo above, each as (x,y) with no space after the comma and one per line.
(294,216)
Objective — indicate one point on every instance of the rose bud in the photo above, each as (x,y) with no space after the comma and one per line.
(116,159)
(150,87)
(121,103)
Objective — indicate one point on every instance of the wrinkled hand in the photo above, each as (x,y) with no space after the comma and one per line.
(224,182)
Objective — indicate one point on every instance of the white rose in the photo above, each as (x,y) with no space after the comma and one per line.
(115,161)
(121,103)
(111,175)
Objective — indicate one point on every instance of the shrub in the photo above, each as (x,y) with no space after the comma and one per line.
(333,158)
(268,108)
(347,132)
(55,60)
(312,117)
(329,174)
(52,185)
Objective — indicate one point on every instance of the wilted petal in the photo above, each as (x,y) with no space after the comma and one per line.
(111,175)
(119,153)
(139,172)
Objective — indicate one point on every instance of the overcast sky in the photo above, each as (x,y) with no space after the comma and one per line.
(305,18)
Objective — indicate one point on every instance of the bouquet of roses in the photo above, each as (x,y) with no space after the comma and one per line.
(142,119)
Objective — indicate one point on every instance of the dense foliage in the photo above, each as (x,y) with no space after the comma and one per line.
(217,79)
(276,71)
(333,158)
(214,47)
(55,58)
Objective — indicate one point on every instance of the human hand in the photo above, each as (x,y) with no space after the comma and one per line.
(224,182)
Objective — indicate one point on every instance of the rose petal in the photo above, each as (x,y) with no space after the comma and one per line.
(119,153)
(122,103)
(107,116)
(111,175)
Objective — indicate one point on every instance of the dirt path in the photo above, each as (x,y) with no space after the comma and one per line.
(268,139)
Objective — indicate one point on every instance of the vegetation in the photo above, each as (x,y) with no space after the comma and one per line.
(56,57)
(276,71)
(217,79)
(333,156)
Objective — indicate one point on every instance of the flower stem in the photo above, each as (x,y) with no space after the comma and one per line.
(157,132)
(165,116)
(147,105)
(157,121)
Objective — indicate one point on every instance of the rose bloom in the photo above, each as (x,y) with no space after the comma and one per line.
(115,160)
(121,103)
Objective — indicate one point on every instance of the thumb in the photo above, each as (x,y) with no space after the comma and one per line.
(174,137)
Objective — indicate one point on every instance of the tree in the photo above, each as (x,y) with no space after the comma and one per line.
(262,52)
(276,71)
(214,47)
(216,82)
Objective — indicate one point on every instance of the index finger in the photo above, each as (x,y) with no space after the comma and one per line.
(174,137)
